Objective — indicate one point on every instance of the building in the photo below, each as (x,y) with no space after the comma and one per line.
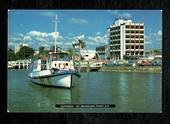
(19,46)
(83,53)
(102,52)
(36,52)
(126,40)
(87,54)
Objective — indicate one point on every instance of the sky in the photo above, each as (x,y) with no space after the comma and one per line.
(36,27)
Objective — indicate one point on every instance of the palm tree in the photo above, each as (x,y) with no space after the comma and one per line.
(71,52)
(57,48)
(82,43)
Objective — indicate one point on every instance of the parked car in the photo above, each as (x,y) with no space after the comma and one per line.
(113,63)
(156,63)
(144,63)
(132,62)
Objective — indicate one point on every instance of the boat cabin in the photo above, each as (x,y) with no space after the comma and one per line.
(60,60)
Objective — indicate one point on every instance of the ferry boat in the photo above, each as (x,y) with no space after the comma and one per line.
(56,70)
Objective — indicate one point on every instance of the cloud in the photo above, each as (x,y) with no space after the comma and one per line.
(119,14)
(35,39)
(98,33)
(153,40)
(79,37)
(27,38)
(77,21)
(92,41)
(48,14)
(113,12)
(159,32)
(125,15)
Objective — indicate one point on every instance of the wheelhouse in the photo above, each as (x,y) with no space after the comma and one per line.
(59,56)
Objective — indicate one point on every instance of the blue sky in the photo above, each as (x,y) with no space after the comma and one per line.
(36,27)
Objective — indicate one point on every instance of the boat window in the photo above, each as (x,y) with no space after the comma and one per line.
(60,57)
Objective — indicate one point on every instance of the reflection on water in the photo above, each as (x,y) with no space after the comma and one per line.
(51,93)
(130,92)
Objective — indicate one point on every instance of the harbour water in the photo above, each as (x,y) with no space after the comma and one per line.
(130,92)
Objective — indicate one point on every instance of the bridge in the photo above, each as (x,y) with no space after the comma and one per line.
(19,64)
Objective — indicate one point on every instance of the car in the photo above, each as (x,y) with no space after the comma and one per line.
(144,63)
(156,63)
(132,62)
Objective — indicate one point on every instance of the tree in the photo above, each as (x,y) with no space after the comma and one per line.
(53,47)
(82,43)
(11,55)
(25,53)
(157,52)
(71,52)
(41,49)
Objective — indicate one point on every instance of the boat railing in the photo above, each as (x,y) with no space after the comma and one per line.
(38,66)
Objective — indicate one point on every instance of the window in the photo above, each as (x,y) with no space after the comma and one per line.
(136,53)
(141,32)
(141,37)
(141,47)
(141,53)
(141,27)
(127,41)
(127,53)
(127,47)
(127,26)
(127,36)
(132,31)
(141,41)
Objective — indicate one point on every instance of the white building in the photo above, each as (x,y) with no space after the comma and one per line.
(36,52)
(19,46)
(87,54)
(126,39)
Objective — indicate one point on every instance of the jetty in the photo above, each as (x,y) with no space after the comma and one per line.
(87,66)
(19,64)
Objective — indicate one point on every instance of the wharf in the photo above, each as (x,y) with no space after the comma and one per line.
(149,69)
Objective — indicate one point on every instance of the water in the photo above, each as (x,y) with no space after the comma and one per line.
(130,92)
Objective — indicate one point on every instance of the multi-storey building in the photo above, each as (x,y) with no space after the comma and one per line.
(102,52)
(126,39)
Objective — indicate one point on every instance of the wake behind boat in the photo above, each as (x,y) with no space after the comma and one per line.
(56,70)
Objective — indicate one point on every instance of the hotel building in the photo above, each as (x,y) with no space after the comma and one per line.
(126,40)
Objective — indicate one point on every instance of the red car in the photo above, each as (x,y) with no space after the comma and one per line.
(145,63)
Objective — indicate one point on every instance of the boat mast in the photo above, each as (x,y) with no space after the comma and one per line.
(55,31)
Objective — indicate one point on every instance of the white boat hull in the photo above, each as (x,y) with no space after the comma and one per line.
(65,80)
